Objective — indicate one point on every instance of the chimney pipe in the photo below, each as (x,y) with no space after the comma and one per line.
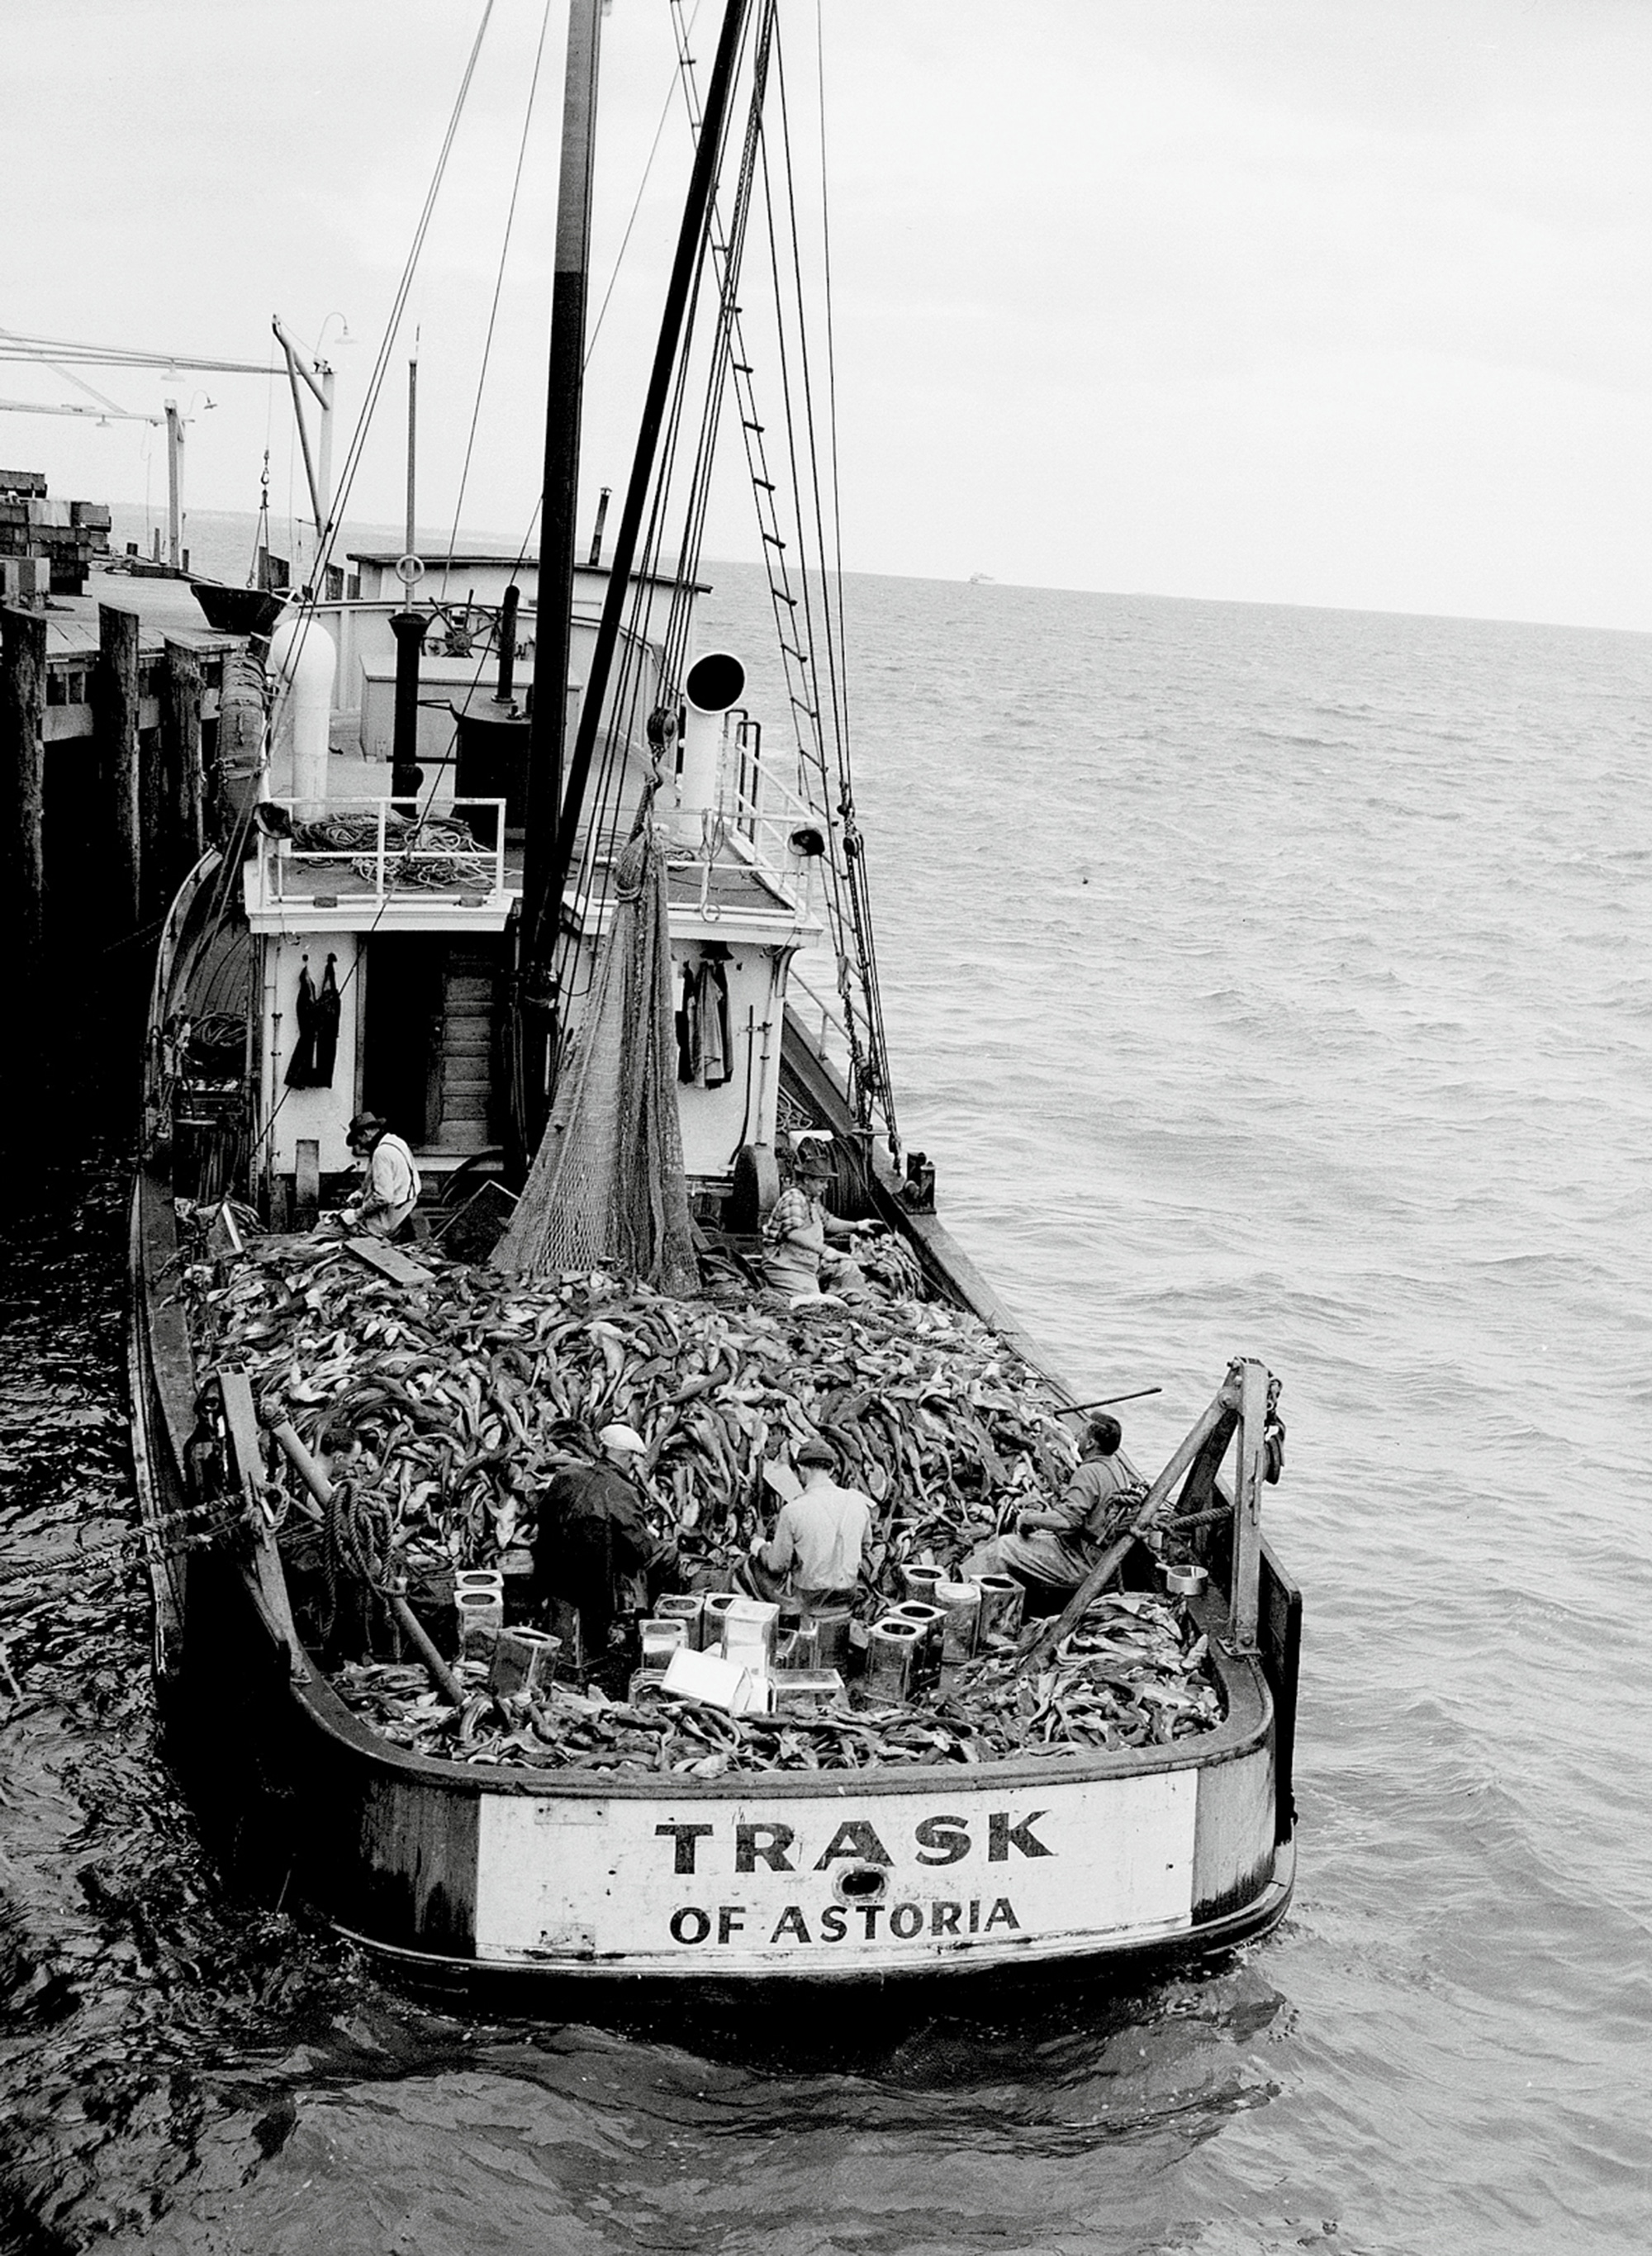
(406,774)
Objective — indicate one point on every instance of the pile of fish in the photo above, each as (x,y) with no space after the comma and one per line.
(446,1406)
(442,1408)
(1131,1674)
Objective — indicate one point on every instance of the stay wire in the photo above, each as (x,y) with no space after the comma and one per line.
(499,287)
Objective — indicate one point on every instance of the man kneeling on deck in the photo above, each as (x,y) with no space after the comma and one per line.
(1053,1551)
(813,1555)
(390,1181)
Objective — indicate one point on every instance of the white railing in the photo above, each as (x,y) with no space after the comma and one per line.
(824,1021)
(372,848)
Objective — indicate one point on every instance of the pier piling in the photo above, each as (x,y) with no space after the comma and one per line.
(23,790)
(115,708)
(183,790)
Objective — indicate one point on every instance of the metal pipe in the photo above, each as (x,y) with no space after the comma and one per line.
(412,448)
(406,776)
(504,694)
(1107,1401)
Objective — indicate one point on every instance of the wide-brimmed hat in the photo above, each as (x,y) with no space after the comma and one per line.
(363,1124)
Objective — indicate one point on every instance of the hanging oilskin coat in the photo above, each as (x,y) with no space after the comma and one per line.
(703,1047)
(716,1064)
(300,1072)
(328,1007)
(316,1049)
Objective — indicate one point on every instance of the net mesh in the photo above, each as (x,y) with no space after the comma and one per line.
(606,1188)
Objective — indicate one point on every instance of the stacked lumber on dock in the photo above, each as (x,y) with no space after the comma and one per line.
(67,533)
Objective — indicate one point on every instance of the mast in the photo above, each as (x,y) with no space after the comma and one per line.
(540,943)
(554,625)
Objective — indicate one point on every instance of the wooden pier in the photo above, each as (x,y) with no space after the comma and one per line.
(109,721)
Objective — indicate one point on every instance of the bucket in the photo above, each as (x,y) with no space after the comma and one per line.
(689,1607)
(931,1621)
(660,1639)
(920,1582)
(523,1660)
(1185,1581)
(801,1649)
(830,1625)
(750,1627)
(481,1619)
(715,1606)
(805,1691)
(962,1604)
(892,1649)
(1002,1599)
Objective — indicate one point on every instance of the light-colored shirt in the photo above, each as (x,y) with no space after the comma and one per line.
(819,1536)
(392,1186)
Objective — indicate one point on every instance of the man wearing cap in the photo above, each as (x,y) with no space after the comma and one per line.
(1053,1551)
(797,1259)
(592,1549)
(390,1181)
(813,1555)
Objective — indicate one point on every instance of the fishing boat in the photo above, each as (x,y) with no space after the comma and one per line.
(434,953)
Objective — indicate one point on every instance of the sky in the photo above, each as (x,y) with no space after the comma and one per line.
(1342,302)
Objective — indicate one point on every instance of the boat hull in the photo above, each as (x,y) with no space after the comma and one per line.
(480,1875)
(483,1876)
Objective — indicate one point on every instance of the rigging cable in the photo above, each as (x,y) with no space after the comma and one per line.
(327,535)
(499,286)
(872,1073)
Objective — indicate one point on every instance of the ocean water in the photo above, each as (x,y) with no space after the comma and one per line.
(1261,980)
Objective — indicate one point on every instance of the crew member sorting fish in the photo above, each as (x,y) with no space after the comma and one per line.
(797,1259)
(813,1555)
(593,1550)
(390,1179)
(1053,1551)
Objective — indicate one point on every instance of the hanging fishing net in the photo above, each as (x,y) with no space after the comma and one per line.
(606,1188)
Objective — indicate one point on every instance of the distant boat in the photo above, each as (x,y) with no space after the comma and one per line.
(982,580)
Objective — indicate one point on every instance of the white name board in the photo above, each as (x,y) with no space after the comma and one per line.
(867,1881)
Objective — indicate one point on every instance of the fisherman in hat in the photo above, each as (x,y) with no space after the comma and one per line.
(592,1549)
(390,1179)
(1051,1552)
(797,1259)
(815,1553)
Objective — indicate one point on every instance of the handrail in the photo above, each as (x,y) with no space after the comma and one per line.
(424,859)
